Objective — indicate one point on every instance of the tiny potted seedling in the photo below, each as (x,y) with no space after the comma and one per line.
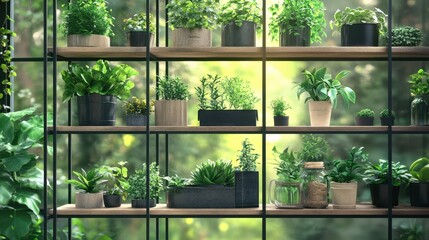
(279,107)
(365,117)
(387,118)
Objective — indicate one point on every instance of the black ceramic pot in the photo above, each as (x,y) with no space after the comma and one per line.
(239,36)
(364,121)
(281,120)
(380,195)
(294,37)
(138,39)
(361,34)
(112,200)
(419,194)
(96,110)
(386,121)
(141,203)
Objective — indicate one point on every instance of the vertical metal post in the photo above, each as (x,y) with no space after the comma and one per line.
(54,116)
(264,121)
(147,125)
(389,104)
(45,120)
(167,224)
(69,170)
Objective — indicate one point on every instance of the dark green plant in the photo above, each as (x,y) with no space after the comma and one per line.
(385,113)
(137,106)
(288,168)
(320,86)
(137,181)
(296,15)
(89,182)
(350,16)
(419,169)
(406,36)
(176,181)
(348,170)
(192,14)
(6,52)
(172,88)
(138,23)
(100,78)
(377,173)
(238,93)
(314,149)
(419,83)
(214,173)
(209,94)
(247,158)
(409,231)
(279,107)
(365,113)
(238,11)
(87,17)
(116,179)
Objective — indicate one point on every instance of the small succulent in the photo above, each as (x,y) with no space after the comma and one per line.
(365,113)
(406,36)
(385,113)
(214,173)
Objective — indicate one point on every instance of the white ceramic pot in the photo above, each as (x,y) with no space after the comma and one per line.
(344,194)
(320,113)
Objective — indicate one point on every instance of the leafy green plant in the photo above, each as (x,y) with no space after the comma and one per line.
(320,86)
(288,168)
(365,113)
(172,88)
(6,52)
(210,95)
(238,11)
(192,14)
(314,149)
(89,182)
(419,83)
(377,173)
(87,17)
(247,158)
(116,179)
(137,181)
(347,170)
(350,16)
(296,15)
(385,113)
(410,230)
(238,93)
(406,36)
(419,170)
(137,106)
(100,78)
(138,23)
(177,181)
(279,107)
(214,173)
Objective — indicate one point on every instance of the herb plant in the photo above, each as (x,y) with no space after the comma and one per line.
(137,181)
(89,182)
(214,173)
(406,36)
(296,15)
(172,88)
(116,179)
(419,170)
(385,113)
(288,168)
(247,157)
(320,86)
(209,94)
(6,52)
(100,78)
(377,173)
(365,113)
(279,107)
(138,23)
(314,149)
(346,171)
(238,93)
(176,181)
(137,106)
(419,83)
(238,11)
(192,14)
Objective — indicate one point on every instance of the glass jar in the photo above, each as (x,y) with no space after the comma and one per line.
(314,186)
(284,194)
(419,111)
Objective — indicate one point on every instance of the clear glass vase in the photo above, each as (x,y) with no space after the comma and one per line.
(419,111)
(285,194)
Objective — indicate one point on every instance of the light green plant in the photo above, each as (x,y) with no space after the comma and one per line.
(279,107)
(377,173)
(365,113)
(138,23)
(89,182)
(214,173)
(288,167)
(314,149)
(116,179)
(406,36)
(419,169)
(238,11)
(177,181)
(419,83)
(172,88)
(137,182)
(192,14)
(348,170)
(137,106)
(247,158)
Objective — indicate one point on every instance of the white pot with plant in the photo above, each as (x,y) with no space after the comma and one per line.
(137,35)
(279,107)
(137,186)
(90,184)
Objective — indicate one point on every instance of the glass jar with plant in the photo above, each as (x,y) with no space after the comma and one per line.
(137,186)
(96,89)
(406,36)
(323,90)
(365,117)
(191,21)
(297,22)
(136,111)
(137,30)
(387,117)
(90,183)
(360,27)
(376,176)
(419,88)
(87,23)
(247,177)
(116,185)
(419,186)
(240,19)
(279,107)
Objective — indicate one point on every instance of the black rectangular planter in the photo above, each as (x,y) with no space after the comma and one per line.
(201,197)
(228,117)
(246,189)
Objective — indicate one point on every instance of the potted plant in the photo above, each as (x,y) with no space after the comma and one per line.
(91,184)
(191,21)
(419,186)
(226,102)
(137,188)
(136,111)
(136,25)
(239,20)
(419,88)
(365,117)
(286,192)
(387,117)
(297,22)
(116,185)
(97,88)
(344,175)
(211,186)
(376,175)
(406,36)
(323,91)
(279,107)
(87,23)
(360,27)
(314,149)
(172,107)
(247,177)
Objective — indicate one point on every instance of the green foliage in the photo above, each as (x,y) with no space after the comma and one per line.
(406,36)
(345,171)
(320,86)
(137,181)
(89,182)
(296,15)
(385,113)
(100,78)
(238,11)
(377,173)
(116,179)
(410,231)
(288,168)
(210,85)
(246,157)
(138,23)
(279,107)
(172,88)
(6,52)
(214,173)
(192,14)
(419,83)
(419,169)
(137,106)
(351,16)
(87,17)
(177,181)
(314,149)
(365,113)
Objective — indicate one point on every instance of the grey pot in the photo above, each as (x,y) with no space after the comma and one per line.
(136,120)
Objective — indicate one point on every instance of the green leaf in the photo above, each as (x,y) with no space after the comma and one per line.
(6,190)
(14,224)
(14,163)
(29,198)
(6,128)
(33,178)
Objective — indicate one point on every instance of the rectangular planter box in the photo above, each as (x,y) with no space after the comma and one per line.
(228,117)
(246,189)
(201,197)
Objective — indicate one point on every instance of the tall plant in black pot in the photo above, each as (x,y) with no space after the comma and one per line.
(247,177)
(240,20)
(137,188)
(96,89)
(279,107)
(137,30)
(419,186)
(419,88)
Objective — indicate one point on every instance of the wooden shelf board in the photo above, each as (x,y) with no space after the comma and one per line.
(206,129)
(410,129)
(180,53)
(314,53)
(406,210)
(346,129)
(360,210)
(101,52)
(99,129)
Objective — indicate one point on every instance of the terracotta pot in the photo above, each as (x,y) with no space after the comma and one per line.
(344,194)
(199,37)
(171,113)
(93,40)
(320,113)
(89,200)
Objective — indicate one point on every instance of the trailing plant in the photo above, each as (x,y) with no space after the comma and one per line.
(238,93)
(348,170)
(192,14)
(288,168)
(138,23)
(137,106)
(101,79)
(214,173)
(377,173)
(320,86)
(87,17)
(172,88)
(238,11)
(385,113)
(247,158)
(116,179)
(419,83)
(137,181)
(314,149)
(6,52)
(365,113)
(279,107)
(419,170)
(89,182)
(178,182)
(296,15)
(406,36)
(350,16)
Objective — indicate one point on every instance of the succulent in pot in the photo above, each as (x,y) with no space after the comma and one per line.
(137,186)
(365,117)
(90,185)
(406,36)
(136,111)
(279,107)
(419,88)
(138,35)
(419,186)
(387,117)
(116,185)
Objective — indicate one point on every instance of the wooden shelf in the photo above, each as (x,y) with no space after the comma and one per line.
(410,129)
(98,129)
(210,53)
(206,129)
(330,129)
(360,210)
(100,52)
